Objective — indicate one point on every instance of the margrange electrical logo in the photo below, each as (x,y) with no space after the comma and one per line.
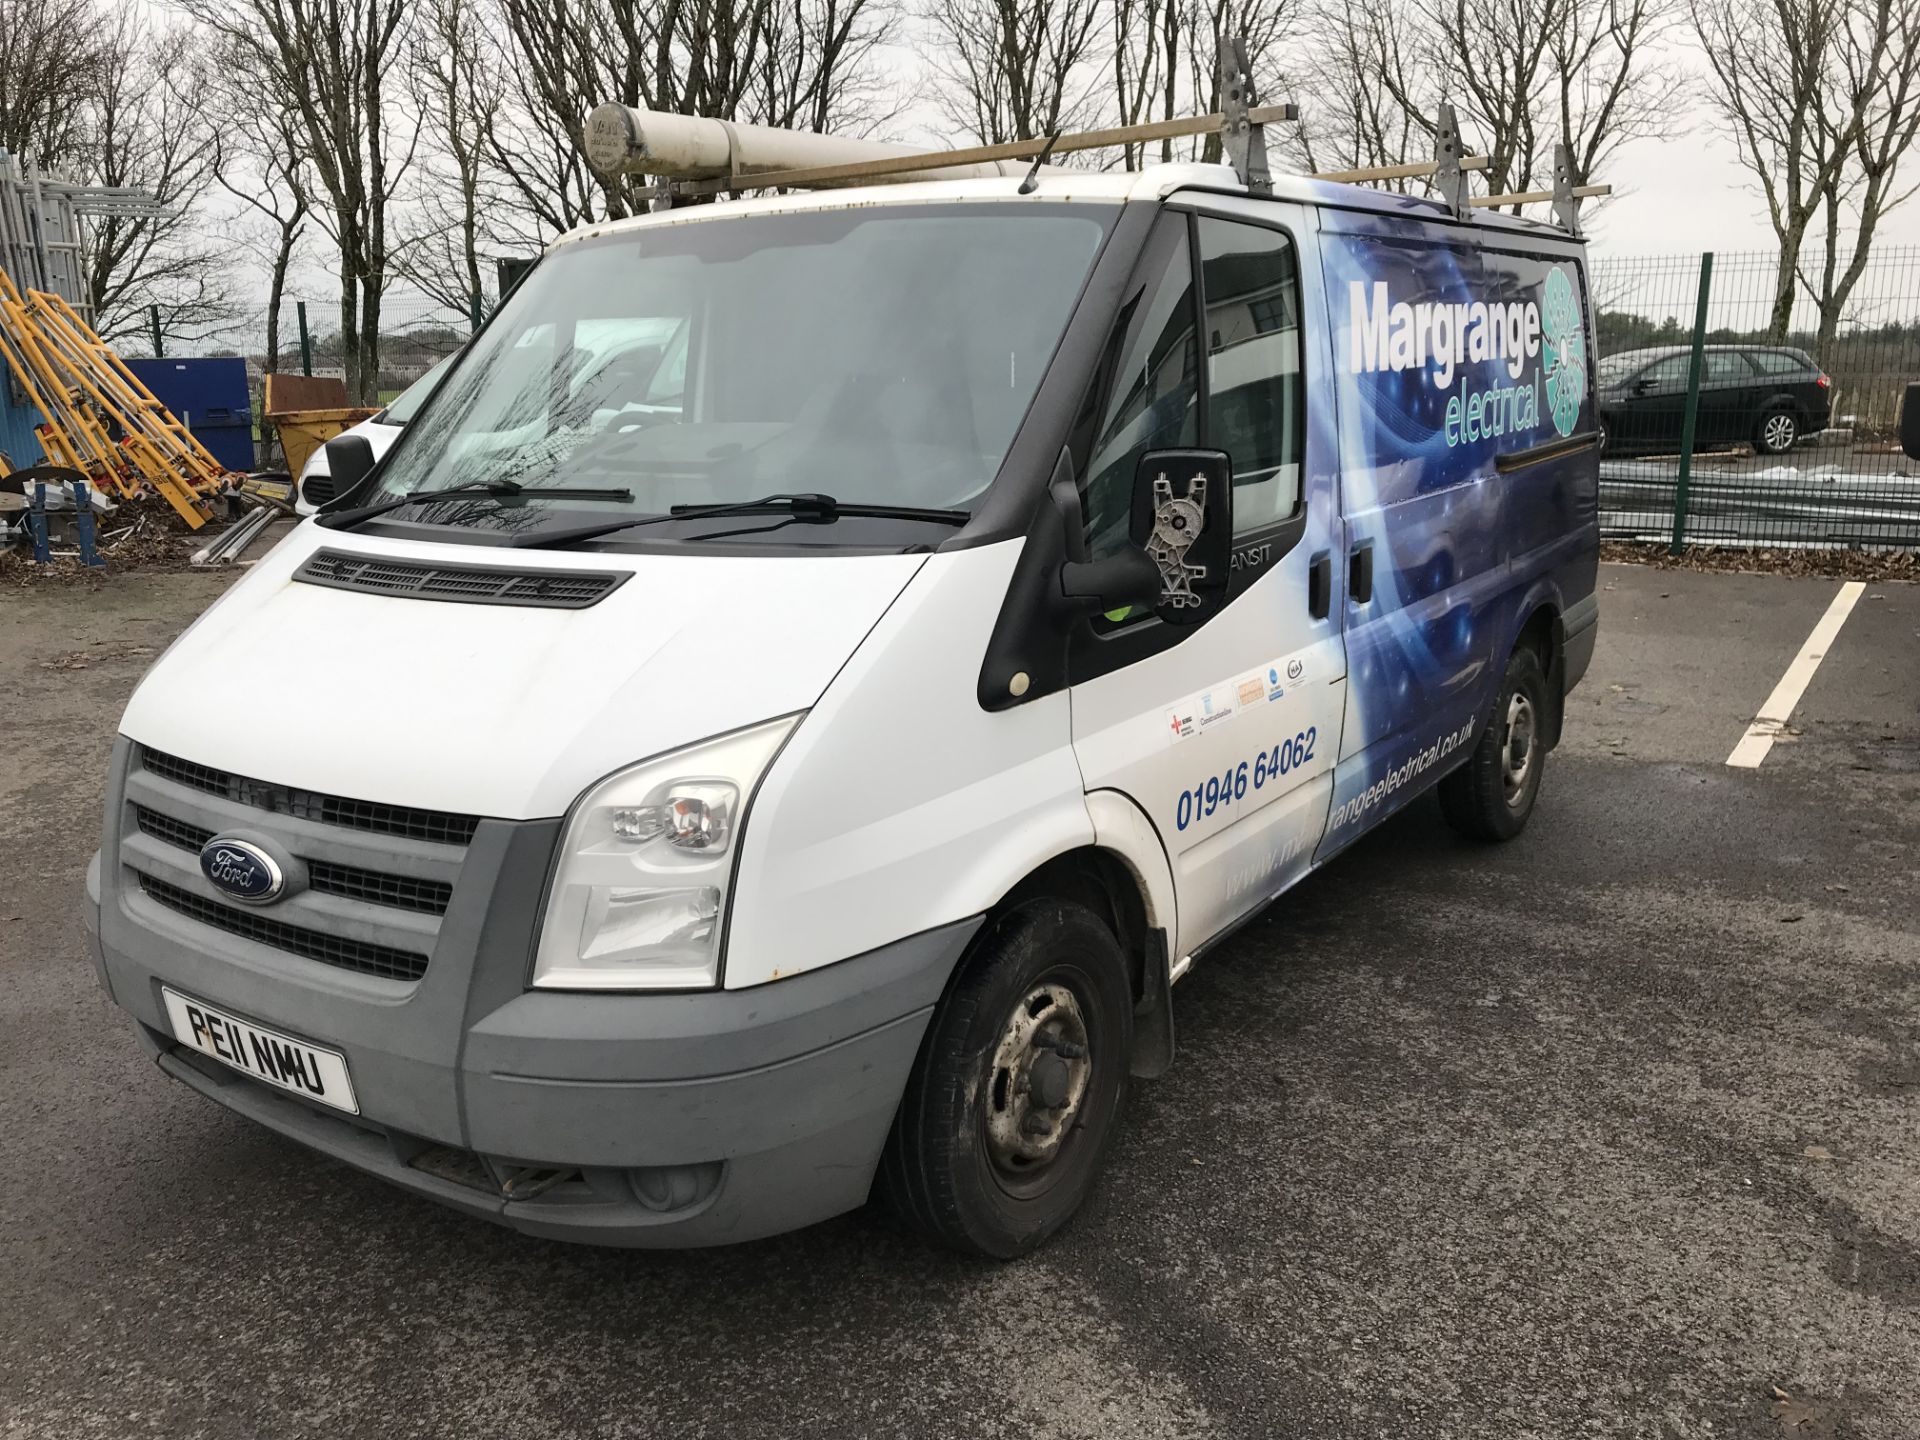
(1540,347)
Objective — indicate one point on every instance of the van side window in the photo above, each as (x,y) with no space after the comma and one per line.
(1153,396)
(1249,276)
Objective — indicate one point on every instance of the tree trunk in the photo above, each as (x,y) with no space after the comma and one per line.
(1785,280)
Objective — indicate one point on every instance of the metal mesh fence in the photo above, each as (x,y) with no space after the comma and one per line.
(1794,428)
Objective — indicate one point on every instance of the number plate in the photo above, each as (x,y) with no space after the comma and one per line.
(268,1056)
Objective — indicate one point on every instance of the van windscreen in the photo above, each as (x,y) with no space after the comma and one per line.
(881,355)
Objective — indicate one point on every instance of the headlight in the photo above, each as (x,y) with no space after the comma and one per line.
(640,895)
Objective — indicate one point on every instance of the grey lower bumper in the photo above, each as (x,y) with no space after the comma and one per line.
(677,1120)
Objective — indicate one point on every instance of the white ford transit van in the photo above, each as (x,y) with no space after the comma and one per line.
(667,800)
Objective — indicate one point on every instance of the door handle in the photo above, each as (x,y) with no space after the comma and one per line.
(1360,572)
(1320,586)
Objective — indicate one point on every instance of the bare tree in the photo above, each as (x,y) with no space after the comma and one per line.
(1352,116)
(260,161)
(142,132)
(1014,69)
(1820,99)
(809,63)
(51,56)
(822,67)
(568,56)
(335,61)
(455,86)
(1881,60)
(1521,74)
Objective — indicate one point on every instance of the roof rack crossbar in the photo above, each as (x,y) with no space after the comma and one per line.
(1413,170)
(1541,197)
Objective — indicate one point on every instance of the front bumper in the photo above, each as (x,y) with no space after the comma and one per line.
(640,1120)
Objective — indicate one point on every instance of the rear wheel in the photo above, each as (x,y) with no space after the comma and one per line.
(1491,796)
(1778,432)
(1010,1106)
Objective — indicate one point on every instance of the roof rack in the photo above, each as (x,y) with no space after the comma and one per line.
(693,157)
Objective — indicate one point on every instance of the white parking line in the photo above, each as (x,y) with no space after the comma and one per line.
(1773,716)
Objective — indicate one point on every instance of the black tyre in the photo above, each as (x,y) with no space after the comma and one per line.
(1777,432)
(1007,1115)
(1491,796)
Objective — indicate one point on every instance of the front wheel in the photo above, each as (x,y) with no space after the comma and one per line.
(1010,1106)
(1491,796)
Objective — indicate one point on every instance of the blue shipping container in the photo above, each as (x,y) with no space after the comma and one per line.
(17,440)
(210,398)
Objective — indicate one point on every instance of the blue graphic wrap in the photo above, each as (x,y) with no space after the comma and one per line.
(1450,354)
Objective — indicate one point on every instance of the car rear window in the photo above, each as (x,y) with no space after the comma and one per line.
(1777,362)
(1726,365)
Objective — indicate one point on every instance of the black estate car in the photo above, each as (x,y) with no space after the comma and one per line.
(1769,396)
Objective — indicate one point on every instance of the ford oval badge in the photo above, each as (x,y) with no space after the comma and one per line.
(246,872)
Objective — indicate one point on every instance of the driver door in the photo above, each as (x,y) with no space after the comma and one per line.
(1224,733)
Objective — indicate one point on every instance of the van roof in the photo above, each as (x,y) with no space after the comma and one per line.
(1154,182)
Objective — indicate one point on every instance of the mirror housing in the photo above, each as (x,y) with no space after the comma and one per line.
(1183,522)
(1643,385)
(1118,582)
(349,461)
(1910,421)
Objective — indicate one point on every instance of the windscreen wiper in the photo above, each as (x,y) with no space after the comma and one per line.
(816,509)
(347,519)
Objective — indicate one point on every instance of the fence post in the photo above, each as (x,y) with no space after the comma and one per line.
(37,522)
(306,341)
(83,524)
(1693,407)
(153,318)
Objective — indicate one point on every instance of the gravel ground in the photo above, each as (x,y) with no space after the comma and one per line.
(1607,1132)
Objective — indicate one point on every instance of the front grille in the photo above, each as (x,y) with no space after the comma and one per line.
(170,831)
(469,584)
(430,897)
(357,955)
(437,826)
(404,892)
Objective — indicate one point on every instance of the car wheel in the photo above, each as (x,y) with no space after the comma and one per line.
(1491,796)
(1778,431)
(1012,1101)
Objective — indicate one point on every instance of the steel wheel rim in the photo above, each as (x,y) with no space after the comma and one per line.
(1779,432)
(1037,1086)
(1517,749)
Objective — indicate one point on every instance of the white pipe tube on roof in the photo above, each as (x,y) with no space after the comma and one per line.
(624,141)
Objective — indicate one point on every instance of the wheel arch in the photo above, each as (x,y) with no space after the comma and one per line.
(1540,631)
(1123,876)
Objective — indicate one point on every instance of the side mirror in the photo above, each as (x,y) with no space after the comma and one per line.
(1643,385)
(1183,520)
(349,461)
(1910,421)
